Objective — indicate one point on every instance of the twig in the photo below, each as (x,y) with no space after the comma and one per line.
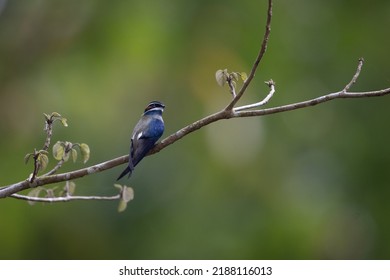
(312,102)
(49,132)
(232,88)
(36,168)
(258,59)
(64,198)
(271,84)
(355,77)
(55,168)
(49,121)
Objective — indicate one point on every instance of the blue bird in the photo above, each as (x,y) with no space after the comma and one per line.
(145,134)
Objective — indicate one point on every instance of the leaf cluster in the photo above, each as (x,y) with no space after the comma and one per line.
(126,195)
(66,191)
(63,150)
(50,119)
(40,157)
(224,77)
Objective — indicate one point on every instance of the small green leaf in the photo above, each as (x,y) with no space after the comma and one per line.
(43,160)
(221,77)
(85,152)
(74,155)
(64,122)
(58,150)
(244,76)
(127,193)
(43,152)
(47,117)
(55,115)
(27,157)
(234,76)
(119,187)
(122,205)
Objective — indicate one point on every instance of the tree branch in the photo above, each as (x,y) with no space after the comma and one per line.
(312,102)
(228,112)
(257,61)
(63,198)
(62,177)
(356,76)
(224,114)
(55,168)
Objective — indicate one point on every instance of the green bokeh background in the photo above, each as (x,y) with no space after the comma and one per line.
(307,184)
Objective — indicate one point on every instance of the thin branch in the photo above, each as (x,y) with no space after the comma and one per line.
(258,59)
(356,76)
(55,168)
(36,168)
(49,121)
(49,132)
(271,85)
(63,198)
(312,102)
(232,88)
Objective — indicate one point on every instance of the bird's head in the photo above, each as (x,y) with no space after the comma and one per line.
(154,106)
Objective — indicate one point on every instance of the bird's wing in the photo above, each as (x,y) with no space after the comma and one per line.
(131,161)
(145,135)
(140,148)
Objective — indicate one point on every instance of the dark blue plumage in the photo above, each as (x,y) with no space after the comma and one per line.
(145,134)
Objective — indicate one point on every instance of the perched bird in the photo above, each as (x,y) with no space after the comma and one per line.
(145,134)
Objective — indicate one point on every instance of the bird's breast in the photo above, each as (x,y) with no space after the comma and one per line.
(158,126)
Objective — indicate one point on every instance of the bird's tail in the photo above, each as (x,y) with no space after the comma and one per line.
(127,170)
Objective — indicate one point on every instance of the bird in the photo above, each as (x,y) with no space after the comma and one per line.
(145,135)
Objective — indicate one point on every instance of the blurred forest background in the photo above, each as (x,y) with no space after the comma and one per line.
(307,184)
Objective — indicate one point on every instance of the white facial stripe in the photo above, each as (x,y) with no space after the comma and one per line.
(139,135)
(156,109)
